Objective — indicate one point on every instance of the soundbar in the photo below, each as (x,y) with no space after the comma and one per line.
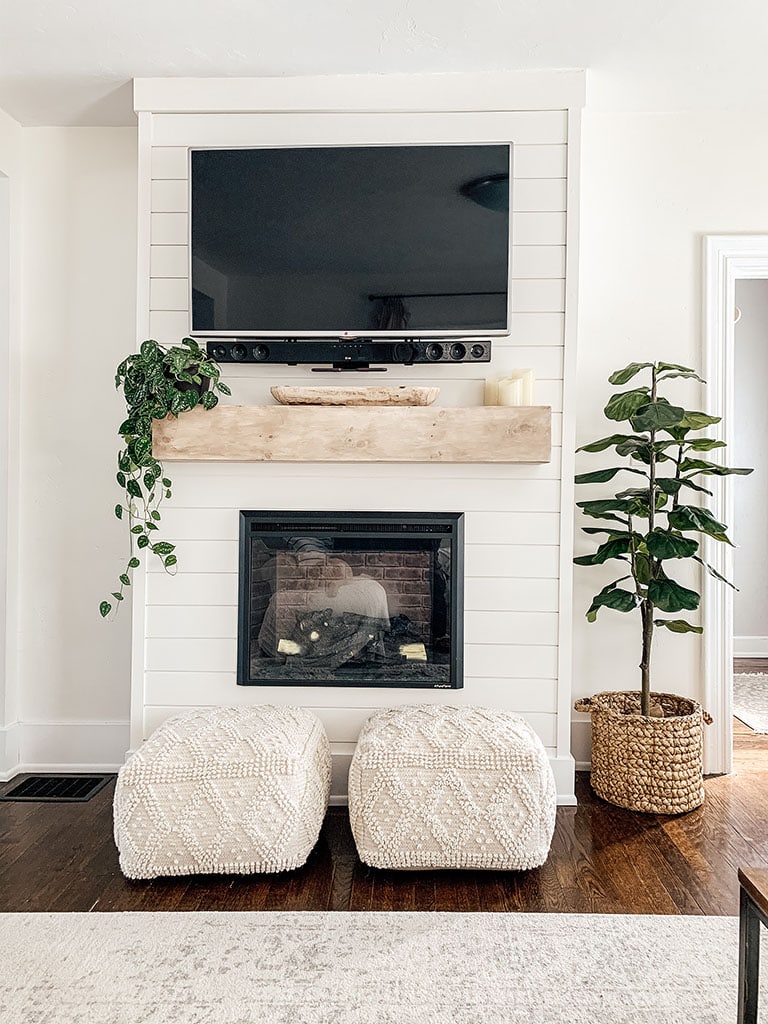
(357,354)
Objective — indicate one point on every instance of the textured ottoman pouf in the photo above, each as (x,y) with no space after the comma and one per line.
(451,787)
(231,790)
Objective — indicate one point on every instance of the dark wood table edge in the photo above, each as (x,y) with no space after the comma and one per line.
(753,912)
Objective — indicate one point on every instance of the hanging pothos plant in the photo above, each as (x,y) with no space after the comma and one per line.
(156,381)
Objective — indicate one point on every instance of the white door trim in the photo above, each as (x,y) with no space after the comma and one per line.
(727,259)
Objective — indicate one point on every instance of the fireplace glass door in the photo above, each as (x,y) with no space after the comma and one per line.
(351,599)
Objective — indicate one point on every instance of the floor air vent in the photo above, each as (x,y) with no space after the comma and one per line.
(57,788)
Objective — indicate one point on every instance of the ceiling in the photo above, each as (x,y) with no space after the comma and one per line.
(70,62)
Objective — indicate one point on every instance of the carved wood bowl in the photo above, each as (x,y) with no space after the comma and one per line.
(373,395)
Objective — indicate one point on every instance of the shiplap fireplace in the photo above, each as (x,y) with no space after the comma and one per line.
(518,516)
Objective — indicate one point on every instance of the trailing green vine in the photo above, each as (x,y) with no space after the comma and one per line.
(156,381)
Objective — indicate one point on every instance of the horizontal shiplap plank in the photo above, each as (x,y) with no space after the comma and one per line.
(169,293)
(538,296)
(524,127)
(169,228)
(520,628)
(233,492)
(536,194)
(539,261)
(511,561)
(199,689)
(480,528)
(169,161)
(506,661)
(168,326)
(172,196)
(537,229)
(538,161)
(534,329)
(520,595)
(171,261)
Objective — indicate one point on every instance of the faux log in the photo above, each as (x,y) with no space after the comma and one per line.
(240,433)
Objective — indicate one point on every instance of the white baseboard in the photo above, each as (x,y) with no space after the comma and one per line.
(78,747)
(750,647)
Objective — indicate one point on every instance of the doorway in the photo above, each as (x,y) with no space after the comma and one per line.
(736,270)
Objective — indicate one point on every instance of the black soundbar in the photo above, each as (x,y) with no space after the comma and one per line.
(356,354)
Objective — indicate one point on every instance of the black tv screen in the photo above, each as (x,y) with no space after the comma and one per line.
(360,240)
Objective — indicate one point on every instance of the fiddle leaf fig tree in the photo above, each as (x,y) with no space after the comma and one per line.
(157,381)
(652,527)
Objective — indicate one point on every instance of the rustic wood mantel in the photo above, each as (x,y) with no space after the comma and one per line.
(279,433)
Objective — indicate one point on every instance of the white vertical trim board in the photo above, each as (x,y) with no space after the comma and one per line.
(727,258)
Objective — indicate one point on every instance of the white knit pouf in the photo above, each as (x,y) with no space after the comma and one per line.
(229,790)
(451,787)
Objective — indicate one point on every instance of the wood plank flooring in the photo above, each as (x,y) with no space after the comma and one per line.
(61,857)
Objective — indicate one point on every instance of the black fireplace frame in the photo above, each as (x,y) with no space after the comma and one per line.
(409,525)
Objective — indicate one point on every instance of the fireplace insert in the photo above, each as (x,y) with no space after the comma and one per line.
(351,599)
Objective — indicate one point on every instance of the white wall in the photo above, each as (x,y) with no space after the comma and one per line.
(652,185)
(11,174)
(750,604)
(79,282)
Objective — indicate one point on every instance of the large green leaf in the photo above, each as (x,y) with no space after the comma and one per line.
(677,626)
(616,598)
(689,375)
(703,444)
(689,517)
(624,405)
(663,367)
(607,442)
(663,544)
(657,415)
(696,466)
(597,508)
(602,476)
(668,484)
(671,597)
(614,548)
(622,376)
(104,609)
(698,420)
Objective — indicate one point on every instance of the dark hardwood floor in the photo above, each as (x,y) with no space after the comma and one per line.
(61,857)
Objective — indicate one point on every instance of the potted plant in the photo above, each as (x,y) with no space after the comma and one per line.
(646,746)
(156,381)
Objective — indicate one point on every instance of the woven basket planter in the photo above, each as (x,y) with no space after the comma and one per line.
(647,764)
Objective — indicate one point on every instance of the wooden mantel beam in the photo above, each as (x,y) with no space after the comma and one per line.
(278,433)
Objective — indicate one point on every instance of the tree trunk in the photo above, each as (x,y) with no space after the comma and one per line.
(646,611)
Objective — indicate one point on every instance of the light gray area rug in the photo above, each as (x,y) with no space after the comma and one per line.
(347,968)
(750,699)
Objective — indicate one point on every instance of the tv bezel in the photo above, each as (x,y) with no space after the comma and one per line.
(346,334)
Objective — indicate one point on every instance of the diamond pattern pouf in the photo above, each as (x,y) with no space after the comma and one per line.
(451,787)
(229,790)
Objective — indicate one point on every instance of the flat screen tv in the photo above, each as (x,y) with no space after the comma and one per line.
(355,241)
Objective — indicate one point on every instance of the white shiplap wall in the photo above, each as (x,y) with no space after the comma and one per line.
(517,645)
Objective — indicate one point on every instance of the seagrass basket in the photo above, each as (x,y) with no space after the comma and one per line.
(647,764)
